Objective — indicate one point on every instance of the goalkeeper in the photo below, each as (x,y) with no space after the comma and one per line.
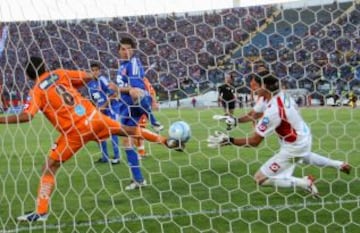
(75,117)
(257,110)
(281,116)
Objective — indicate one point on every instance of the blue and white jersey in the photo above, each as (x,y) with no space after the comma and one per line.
(130,74)
(99,91)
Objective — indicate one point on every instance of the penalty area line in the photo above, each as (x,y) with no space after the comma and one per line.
(179,214)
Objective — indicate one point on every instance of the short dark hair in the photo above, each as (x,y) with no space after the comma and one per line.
(271,83)
(128,41)
(95,65)
(230,76)
(35,67)
(256,78)
(263,72)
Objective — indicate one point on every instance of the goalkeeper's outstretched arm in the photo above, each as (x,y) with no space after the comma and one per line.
(231,121)
(219,139)
(250,116)
(252,141)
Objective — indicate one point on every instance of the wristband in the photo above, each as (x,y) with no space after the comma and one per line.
(231,140)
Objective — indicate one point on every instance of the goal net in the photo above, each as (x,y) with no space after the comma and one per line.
(313,49)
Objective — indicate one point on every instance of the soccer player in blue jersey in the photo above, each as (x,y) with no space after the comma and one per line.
(103,94)
(135,101)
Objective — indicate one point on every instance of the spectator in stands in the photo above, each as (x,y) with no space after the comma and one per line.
(177,98)
(2,99)
(193,102)
(70,44)
(352,99)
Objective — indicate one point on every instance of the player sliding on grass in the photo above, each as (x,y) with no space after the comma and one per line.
(74,116)
(257,112)
(281,115)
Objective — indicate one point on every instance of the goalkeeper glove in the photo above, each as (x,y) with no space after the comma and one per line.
(218,139)
(230,121)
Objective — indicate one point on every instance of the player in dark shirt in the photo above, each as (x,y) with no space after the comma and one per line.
(227,96)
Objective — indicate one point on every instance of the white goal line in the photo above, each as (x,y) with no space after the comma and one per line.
(183,214)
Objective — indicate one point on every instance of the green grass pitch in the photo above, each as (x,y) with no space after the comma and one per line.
(200,190)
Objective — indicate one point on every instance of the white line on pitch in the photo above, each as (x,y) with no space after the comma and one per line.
(175,215)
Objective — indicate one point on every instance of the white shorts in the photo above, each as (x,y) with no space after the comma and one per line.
(283,163)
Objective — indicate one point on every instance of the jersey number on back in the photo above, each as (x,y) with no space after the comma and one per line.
(66,96)
(120,82)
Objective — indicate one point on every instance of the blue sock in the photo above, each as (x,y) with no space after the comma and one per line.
(115,144)
(146,106)
(152,118)
(133,161)
(104,151)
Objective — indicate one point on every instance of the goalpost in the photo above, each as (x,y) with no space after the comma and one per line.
(313,48)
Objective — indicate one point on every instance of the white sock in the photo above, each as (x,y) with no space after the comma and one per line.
(321,161)
(287,182)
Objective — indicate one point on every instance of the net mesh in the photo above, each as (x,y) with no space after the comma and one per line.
(313,50)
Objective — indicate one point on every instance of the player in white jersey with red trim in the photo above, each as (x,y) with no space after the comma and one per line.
(281,116)
(260,103)
(257,110)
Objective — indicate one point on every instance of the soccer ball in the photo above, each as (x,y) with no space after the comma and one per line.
(180,130)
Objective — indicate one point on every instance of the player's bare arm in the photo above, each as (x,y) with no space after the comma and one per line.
(115,89)
(113,96)
(219,139)
(231,121)
(134,92)
(79,78)
(13,119)
(105,105)
(124,90)
(251,116)
(252,141)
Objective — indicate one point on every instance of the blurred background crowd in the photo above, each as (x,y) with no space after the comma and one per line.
(313,48)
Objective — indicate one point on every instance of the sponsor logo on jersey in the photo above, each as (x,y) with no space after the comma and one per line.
(274,167)
(79,110)
(27,103)
(266,120)
(46,83)
(54,146)
(264,124)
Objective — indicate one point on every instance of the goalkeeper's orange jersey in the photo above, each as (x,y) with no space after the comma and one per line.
(55,94)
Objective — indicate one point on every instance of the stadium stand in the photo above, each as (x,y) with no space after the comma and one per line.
(191,52)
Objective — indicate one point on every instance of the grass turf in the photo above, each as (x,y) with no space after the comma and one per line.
(200,190)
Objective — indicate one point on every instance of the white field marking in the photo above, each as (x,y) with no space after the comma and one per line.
(175,215)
